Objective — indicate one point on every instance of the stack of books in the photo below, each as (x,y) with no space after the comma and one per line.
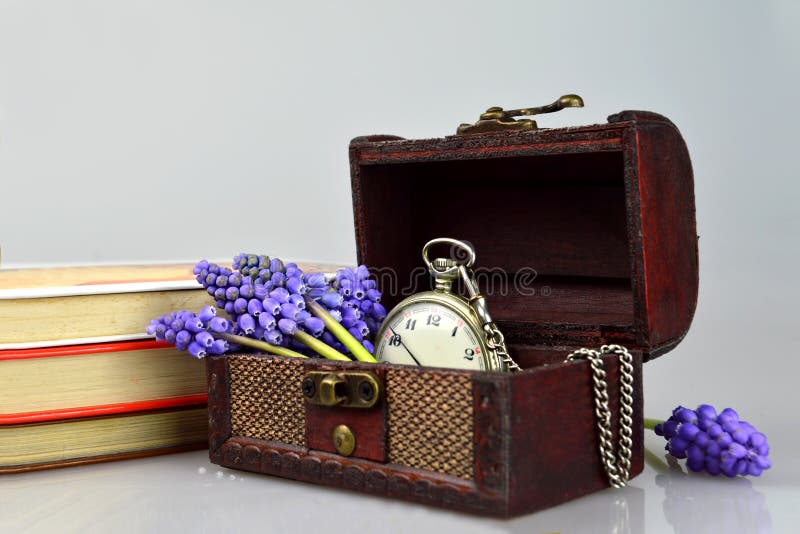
(80,381)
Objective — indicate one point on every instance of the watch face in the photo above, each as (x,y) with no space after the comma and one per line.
(430,333)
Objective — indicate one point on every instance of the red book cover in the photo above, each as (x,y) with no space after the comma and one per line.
(86,353)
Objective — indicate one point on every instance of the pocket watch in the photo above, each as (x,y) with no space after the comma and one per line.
(440,328)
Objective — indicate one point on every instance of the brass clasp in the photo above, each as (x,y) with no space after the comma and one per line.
(498,120)
(348,389)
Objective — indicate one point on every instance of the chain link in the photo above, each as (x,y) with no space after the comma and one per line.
(496,341)
(617,465)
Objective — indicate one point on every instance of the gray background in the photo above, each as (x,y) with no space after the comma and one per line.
(160,131)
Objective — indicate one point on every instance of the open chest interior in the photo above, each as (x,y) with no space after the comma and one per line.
(550,232)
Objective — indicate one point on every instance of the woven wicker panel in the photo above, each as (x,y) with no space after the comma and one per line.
(266,400)
(430,421)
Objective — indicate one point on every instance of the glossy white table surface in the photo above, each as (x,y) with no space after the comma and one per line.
(185,493)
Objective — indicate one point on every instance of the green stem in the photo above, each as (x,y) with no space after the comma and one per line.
(261,345)
(319,347)
(340,332)
(654,461)
(650,424)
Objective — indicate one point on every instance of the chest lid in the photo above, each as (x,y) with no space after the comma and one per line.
(584,235)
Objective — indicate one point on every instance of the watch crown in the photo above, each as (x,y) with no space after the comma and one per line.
(442,264)
(444,272)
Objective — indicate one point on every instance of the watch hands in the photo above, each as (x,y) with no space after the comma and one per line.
(404,346)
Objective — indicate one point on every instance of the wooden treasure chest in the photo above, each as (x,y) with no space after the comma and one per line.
(597,221)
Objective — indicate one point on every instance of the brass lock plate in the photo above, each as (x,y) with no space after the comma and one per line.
(346,389)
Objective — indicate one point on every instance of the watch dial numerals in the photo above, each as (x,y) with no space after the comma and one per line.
(422,333)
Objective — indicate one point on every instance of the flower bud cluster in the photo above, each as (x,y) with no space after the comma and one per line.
(197,333)
(358,303)
(264,298)
(715,443)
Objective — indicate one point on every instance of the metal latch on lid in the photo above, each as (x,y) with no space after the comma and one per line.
(496,119)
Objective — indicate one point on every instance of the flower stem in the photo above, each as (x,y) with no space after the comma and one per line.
(654,461)
(319,347)
(650,424)
(345,337)
(262,345)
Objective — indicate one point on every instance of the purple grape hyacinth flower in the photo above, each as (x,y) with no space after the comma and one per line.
(316,280)
(714,443)
(219,325)
(314,326)
(287,326)
(193,332)
(331,299)
(264,298)
(246,323)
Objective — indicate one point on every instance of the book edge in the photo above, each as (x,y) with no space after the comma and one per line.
(85,346)
(86,412)
(194,445)
(98,289)
(53,343)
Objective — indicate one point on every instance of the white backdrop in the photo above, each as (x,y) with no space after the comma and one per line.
(167,130)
